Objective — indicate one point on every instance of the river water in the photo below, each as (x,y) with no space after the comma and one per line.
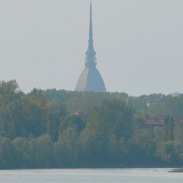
(91,176)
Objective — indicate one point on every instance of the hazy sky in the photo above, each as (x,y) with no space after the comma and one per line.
(139,43)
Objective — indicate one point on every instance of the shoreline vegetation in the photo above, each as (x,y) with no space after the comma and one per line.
(178,170)
(68,129)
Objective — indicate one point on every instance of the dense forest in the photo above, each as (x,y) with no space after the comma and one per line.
(60,129)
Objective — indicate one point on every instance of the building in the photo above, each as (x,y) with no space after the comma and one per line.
(90,79)
(160,121)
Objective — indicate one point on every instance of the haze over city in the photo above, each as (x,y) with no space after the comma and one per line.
(138,43)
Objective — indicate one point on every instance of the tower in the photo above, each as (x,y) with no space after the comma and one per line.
(90,79)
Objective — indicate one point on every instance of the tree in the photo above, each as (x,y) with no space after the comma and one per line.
(9,155)
(56,110)
(105,125)
(41,152)
(36,110)
(168,129)
(67,149)
(143,138)
(9,91)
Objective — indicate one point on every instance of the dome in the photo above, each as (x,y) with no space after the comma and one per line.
(90,80)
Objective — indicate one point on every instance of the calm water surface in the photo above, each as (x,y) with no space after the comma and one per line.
(91,176)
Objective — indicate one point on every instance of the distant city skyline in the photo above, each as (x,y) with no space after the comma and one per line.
(138,43)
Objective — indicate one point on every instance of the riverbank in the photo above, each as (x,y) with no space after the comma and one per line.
(177,170)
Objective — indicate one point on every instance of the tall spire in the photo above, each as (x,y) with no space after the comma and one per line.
(90,53)
(91,26)
(90,78)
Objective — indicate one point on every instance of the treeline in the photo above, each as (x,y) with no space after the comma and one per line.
(55,129)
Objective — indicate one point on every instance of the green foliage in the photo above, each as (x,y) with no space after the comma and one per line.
(9,91)
(144,139)
(67,148)
(53,129)
(36,111)
(168,129)
(9,155)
